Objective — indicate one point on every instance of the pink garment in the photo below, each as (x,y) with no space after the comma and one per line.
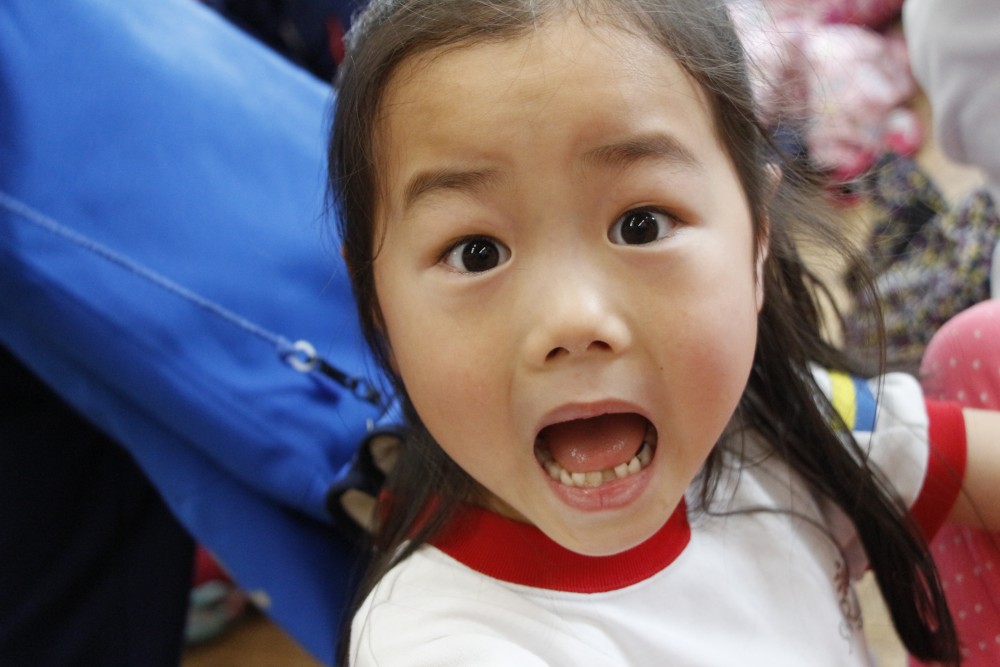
(843,83)
(870,13)
(860,80)
(962,363)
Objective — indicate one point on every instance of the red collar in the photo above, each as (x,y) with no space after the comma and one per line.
(519,553)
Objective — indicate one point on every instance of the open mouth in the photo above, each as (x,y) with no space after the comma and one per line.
(596,451)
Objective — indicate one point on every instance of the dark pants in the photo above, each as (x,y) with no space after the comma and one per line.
(94,570)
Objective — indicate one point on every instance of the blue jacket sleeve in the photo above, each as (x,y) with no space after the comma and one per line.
(162,244)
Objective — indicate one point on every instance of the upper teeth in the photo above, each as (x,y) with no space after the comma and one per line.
(596,477)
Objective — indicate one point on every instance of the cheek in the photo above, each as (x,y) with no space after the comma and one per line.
(715,363)
(713,340)
(450,354)
(450,374)
(461,411)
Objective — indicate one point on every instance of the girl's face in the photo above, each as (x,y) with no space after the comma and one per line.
(567,279)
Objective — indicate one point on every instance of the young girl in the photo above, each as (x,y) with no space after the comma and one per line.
(572,248)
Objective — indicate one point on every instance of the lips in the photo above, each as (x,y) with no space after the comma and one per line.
(600,450)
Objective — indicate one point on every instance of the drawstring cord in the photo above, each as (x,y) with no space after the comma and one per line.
(302,356)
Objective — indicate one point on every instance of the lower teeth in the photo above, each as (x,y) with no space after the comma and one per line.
(596,478)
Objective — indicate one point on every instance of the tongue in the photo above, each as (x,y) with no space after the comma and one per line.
(599,443)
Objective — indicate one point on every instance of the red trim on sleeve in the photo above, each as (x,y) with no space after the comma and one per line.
(945,466)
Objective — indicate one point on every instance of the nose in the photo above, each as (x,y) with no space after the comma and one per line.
(577,315)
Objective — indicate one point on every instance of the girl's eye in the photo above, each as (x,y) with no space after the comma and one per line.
(476,255)
(641,226)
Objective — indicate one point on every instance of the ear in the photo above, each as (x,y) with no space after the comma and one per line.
(773,175)
(391,358)
(762,251)
(377,321)
(383,338)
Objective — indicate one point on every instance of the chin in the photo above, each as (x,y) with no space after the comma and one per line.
(604,540)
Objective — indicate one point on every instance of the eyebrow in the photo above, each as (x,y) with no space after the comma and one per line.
(653,147)
(458,180)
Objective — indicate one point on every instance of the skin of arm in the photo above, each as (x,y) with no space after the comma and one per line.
(978,504)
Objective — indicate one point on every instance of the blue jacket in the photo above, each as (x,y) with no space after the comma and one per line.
(165,240)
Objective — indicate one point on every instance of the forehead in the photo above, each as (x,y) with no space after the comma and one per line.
(565,86)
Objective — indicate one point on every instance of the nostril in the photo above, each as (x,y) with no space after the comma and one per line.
(556,352)
(593,346)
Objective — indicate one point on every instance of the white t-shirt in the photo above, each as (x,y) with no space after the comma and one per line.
(723,587)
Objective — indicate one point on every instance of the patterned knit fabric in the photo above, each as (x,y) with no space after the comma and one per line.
(932,261)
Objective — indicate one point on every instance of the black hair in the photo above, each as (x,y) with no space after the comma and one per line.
(781,401)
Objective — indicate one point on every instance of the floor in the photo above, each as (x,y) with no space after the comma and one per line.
(256,642)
